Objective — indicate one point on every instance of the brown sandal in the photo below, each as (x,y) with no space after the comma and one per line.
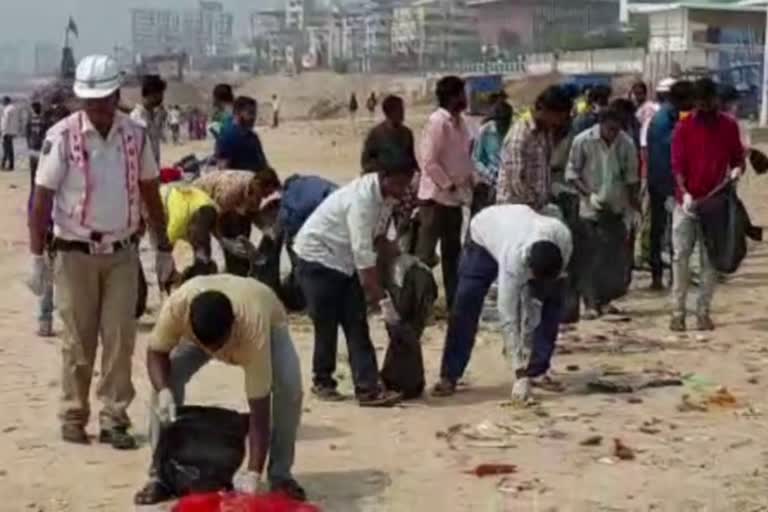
(444,388)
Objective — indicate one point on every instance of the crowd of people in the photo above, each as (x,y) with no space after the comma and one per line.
(555,198)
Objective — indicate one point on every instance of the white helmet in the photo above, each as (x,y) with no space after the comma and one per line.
(97,76)
(665,85)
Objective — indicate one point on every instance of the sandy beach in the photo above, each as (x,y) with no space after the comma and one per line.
(696,446)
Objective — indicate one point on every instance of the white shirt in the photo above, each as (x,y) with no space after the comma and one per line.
(174,117)
(275,105)
(10,122)
(108,206)
(340,232)
(507,232)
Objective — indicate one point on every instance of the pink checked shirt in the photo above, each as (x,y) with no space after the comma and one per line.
(446,161)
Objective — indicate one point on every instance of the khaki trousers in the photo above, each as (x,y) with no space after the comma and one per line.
(686,231)
(97,298)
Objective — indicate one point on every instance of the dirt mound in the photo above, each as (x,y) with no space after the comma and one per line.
(523,91)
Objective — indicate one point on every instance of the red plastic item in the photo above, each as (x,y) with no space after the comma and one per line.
(170,174)
(235,502)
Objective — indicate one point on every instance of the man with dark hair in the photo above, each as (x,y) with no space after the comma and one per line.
(36,130)
(603,167)
(149,113)
(526,252)
(597,100)
(525,174)
(391,134)
(10,128)
(238,196)
(486,154)
(337,269)
(446,181)
(240,322)
(239,147)
(223,100)
(661,183)
(706,152)
(392,137)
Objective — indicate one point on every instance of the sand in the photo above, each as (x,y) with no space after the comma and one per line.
(359,460)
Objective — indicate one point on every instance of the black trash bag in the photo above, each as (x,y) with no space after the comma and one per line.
(403,369)
(725,226)
(605,264)
(202,450)
(414,299)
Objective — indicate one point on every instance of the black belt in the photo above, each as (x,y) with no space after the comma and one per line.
(60,244)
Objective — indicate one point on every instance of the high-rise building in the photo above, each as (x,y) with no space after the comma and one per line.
(207,31)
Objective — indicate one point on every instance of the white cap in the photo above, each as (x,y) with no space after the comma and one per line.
(97,76)
(665,85)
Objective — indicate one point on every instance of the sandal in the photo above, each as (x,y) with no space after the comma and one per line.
(444,388)
(547,383)
(379,398)
(327,394)
(152,493)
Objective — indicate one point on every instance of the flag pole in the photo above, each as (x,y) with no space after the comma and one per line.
(764,98)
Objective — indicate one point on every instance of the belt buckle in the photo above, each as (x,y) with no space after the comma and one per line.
(101,248)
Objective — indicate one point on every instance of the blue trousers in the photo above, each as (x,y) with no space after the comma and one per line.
(477,272)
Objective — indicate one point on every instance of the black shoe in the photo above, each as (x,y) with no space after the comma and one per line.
(74,434)
(327,394)
(119,438)
(290,488)
(379,398)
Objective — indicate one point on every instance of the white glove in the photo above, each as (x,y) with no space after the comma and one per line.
(521,390)
(164,266)
(249,482)
(40,276)
(735,174)
(388,311)
(669,204)
(688,204)
(595,202)
(166,406)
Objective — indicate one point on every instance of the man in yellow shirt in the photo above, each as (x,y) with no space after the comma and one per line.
(241,322)
(192,216)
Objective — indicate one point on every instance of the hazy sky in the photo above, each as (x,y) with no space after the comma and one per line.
(102,23)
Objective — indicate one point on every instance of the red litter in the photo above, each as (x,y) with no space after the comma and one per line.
(493,470)
(235,502)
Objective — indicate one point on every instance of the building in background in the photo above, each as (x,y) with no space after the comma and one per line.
(543,25)
(434,32)
(207,31)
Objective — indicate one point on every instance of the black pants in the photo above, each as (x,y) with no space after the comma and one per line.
(659,221)
(439,223)
(335,299)
(9,159)
(569,206)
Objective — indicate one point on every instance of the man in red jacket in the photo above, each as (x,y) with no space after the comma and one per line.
(706,152)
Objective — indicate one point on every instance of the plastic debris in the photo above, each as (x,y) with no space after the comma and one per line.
(622,451)
(484,470)
(592,441)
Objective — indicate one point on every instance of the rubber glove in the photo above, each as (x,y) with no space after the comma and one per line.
(249,482)
(595,202)
(388,311)
(40,275)
(166,406)
(688,204)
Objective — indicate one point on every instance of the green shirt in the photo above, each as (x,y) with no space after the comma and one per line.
(605,170)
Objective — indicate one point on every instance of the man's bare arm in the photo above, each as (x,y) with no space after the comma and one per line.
(40,218)
(159,369)
(259,433)
(150,194)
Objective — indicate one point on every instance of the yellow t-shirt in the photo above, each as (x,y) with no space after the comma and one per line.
(257,310)
(181,202)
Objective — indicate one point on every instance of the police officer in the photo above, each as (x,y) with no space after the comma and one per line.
(97,167)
